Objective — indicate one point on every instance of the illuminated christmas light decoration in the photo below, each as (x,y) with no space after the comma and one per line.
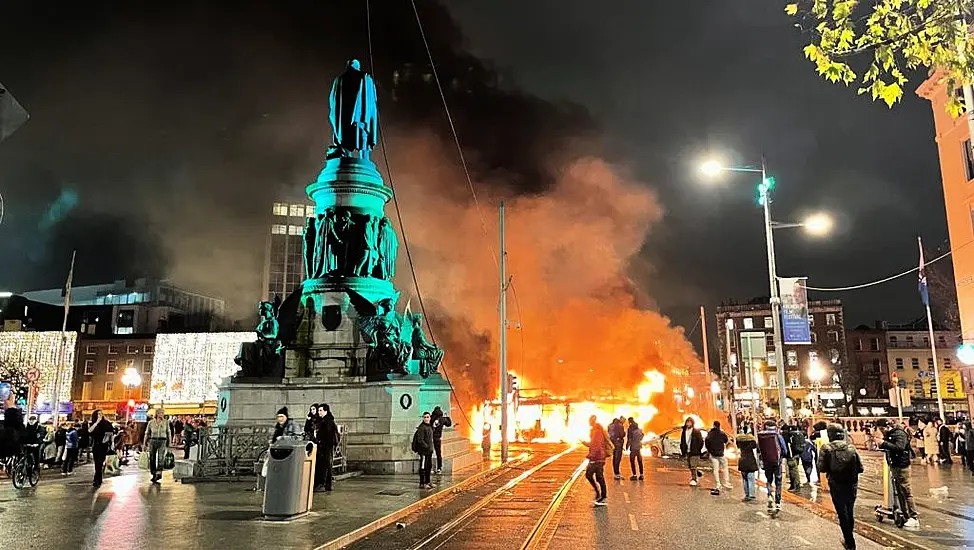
(187,368)
(40,350)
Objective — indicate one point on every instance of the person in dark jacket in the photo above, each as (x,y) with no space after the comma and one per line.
(101,441)
(617,435)
(84,441)
(747,464)
(773,451)
(309,423)
(438,420)
(285,426)
(634,442)
(944,440)
(691,447)
(842,465)
(60,440)
(896,444)
(326,437)
(423,446)
(809,458)
(599,448)
(13,433)
(715,442)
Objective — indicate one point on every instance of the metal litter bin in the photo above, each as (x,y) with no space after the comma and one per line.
(290,479)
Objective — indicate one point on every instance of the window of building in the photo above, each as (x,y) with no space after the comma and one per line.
(280,209)
(149,348)
(729,324)
(814,338)
(917,387)
(89,367)
(877,366)
(941,342)
(930,364)
(109,390)
(874,344)
(792,357)
(811,320)
(297,210)
(833,336)
(968,160)
(86,391)
(892,341)
(772,380)
(90,350)
(794,382)
(915,363)
(295,230)
(768,322)
(772,361)
(769,341)
(278,229)
(933,387)
(830,319)
(112,366)
(947,363)
(748,323)
(132,349)
(146,366)
(858,344)
(309,211)
(926,341)
(130,363)
(909,341)
(112,350)
(899,363)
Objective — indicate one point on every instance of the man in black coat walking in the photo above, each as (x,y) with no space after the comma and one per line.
(438,421)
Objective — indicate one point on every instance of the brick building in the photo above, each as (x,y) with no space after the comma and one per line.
(101,364)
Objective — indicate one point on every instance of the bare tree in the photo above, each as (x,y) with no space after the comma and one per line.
(943,293)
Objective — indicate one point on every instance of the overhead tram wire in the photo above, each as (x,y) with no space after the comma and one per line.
(402,226)
(466,169)
(885,279)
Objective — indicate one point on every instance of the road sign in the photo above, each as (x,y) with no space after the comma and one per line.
(33,375)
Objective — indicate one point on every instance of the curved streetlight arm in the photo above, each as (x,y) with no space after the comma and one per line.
(786,225)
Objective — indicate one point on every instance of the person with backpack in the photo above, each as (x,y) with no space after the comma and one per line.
(809,458)
(634,440)
(599,448)
(772,449)
(841,465)
(747,464)
(715,442)
(896,444)
(796,446)
(617,434)
(423,446)
(691,447)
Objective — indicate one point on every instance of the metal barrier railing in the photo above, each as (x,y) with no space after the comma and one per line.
(236,451)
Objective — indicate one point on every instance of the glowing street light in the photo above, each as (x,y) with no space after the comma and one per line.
(711,168)
(815,372)
(131,379)
(818,224)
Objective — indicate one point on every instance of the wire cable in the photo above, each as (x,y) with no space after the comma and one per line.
(885,279)
(466,169)
(402,226)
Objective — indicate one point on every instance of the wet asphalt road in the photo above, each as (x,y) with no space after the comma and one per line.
(665,512)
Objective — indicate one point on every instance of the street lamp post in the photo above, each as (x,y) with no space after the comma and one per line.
(817,224)
(130,379)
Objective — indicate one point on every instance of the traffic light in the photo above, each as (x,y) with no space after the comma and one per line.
(511,382)
(764,189)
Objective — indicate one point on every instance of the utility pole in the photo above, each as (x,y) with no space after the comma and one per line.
(706,362)
(933,343)
(503,337)
(775,297)
(55,399)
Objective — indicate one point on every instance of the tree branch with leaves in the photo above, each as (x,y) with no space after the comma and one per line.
(875,44)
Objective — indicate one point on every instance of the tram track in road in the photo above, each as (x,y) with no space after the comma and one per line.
(516,510)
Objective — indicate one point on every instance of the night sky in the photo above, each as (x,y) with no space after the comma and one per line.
(177,125)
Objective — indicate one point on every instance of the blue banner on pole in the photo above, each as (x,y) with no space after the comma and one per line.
(794,311)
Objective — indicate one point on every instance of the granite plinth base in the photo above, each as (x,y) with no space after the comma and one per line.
(379,417)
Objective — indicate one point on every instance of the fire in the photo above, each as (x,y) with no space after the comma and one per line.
(546,418)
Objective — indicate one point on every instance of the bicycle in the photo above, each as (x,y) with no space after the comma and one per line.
(25,470)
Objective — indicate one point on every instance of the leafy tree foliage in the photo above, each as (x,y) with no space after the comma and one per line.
(876,44)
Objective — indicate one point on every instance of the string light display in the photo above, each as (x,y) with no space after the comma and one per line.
(41,350)
(187,368)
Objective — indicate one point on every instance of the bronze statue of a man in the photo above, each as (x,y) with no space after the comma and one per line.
(354,113)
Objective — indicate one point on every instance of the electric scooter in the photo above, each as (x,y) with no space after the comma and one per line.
(893,505)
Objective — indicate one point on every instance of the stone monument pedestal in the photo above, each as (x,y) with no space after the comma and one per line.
(380,417)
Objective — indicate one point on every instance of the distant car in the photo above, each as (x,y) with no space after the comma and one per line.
(667,444)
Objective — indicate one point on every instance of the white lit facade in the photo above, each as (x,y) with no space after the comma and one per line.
(187,368)
(42,350)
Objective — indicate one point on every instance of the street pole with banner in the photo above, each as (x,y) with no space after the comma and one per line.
(56,399)
(925,298)
(795,327)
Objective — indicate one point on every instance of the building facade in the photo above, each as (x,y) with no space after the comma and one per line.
(284,249)
(869,364)
(746,336)
(101,369)
(141,306)
(47,358)
(910,357)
